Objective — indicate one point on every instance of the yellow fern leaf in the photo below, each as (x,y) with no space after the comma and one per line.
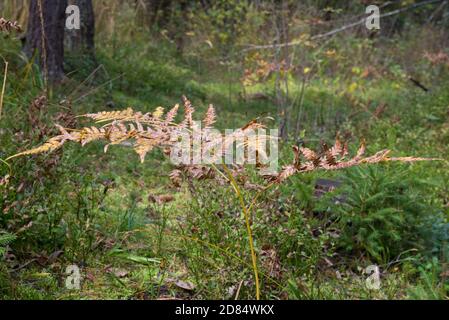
(333,160)
(209,120)
(158,113)
(172,114)
(143,146)
(51,145)
(91,134)
(111,115)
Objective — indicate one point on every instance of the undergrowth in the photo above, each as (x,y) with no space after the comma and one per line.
(136,234)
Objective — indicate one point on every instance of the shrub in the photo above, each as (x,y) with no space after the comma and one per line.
(383,212)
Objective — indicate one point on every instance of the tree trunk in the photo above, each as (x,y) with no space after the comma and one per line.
(158,12)
(51,15)
(163,14)
(82,41)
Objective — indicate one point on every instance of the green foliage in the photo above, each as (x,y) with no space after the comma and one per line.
(382,212)
(97,211)
(149,81)
(432,284)
(5,239)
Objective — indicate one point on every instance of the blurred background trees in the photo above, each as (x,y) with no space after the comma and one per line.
(82,41)
(275,38)
(44,38)
(306,66)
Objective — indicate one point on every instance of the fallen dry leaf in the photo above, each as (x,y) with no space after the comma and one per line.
(185,285)
(121,273)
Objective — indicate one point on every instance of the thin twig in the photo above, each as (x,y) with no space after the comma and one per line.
(238,290)
(43,45)
(343,28)
(96,88)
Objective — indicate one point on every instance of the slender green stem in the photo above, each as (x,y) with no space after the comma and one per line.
(248,229)
(253,202)
(229,254)
(8,165)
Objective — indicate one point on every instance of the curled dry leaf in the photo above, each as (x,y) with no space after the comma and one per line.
(160,199)
(185,285)
(8,25)
(120,273)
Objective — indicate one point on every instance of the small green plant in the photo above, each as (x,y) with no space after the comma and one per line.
(381,211)
(433,283)
(5,239)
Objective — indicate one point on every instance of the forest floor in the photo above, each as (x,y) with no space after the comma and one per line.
(136,236)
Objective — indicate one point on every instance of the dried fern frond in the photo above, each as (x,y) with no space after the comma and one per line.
(158,113)
(90,134)
(209,120)
(111,115)
(51,145)
(8,25)
(188,113)
(171,115)
(143,146)
(333,159)
(145,131)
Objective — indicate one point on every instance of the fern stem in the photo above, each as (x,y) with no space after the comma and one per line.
(229,254)
(248,229)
